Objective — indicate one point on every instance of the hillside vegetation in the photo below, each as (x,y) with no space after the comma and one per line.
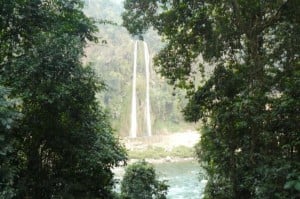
(113,62)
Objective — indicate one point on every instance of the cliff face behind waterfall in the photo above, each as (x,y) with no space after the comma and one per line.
(112,59)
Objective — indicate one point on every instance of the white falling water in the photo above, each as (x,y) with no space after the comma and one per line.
(133,128)
(147,63)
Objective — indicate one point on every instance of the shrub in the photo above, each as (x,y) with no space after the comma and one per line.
(140,182)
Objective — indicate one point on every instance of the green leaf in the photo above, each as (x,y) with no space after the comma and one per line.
(297,186)
(289,184)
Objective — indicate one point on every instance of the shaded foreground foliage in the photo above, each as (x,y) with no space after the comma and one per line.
(250,103)
(55,141)
(140,181)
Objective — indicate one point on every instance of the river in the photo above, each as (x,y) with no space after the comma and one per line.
(183,178)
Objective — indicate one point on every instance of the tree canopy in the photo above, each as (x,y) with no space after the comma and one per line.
(249,104)
(140,181)
(62,145)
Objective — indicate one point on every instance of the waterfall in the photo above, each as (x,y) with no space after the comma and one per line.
(133,128)
(147,63)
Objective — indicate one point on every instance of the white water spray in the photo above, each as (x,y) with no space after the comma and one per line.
(147,63)
(133,129)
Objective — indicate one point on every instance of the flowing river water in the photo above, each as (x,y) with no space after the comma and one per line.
(184,179)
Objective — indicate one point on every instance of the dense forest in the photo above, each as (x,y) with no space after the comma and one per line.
(55,141)
(250,104)
(65,84)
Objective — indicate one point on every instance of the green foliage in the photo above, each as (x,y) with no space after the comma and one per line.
(249,104)
(8,170)
(150,152)
(182,152)
(159,152)
(140,181)
(63,146)
(293,182)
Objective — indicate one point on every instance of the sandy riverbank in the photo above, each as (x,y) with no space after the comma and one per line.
(166,141)
(164,160)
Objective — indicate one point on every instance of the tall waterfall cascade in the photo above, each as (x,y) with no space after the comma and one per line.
(133,127)
(87,2)
(147,63)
